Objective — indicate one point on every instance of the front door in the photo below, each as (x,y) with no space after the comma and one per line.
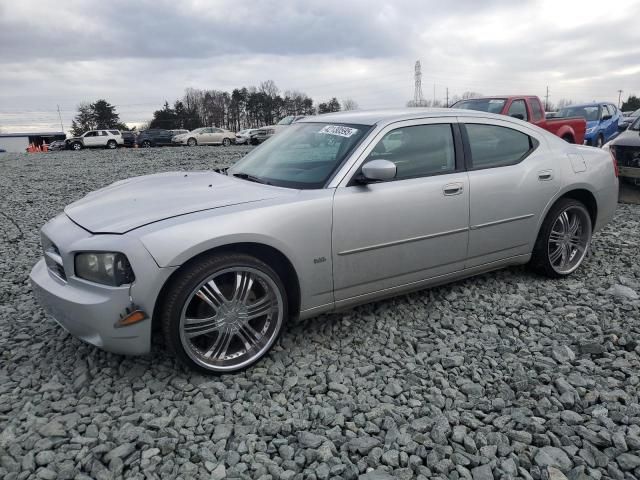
(91,139)
(412,228)
(512,176)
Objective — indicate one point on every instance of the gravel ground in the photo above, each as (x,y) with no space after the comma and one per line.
(507,375)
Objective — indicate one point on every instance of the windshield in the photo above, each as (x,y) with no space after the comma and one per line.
(303,156)
(590,114)
(491,105)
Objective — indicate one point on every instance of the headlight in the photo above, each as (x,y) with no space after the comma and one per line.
(590,130)
(106,268)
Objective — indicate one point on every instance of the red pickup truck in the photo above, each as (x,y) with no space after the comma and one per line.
(529,108)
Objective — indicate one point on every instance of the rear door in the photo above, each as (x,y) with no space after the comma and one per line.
(512,176)
(217,135)
(164,137)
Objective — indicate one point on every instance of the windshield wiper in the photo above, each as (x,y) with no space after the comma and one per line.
(251,178)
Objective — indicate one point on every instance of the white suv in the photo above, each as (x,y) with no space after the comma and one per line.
(96,138)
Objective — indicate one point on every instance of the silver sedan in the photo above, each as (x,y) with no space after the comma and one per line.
(335,211)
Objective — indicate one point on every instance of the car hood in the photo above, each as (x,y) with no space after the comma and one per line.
(628,138)
(138,201)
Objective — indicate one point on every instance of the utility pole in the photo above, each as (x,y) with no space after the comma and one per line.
(546,101)
(418,99)
(433,103)
(619,97)
(60,117)
(447,105)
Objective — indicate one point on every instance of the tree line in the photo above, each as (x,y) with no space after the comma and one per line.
(246,107)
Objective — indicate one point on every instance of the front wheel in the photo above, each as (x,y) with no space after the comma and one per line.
(76,146)
(223,313)
(599,141)
(564,239)
(226,142)
(192,142)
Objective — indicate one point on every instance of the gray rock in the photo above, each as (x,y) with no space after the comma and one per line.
(623,291)
(482,472)
(553,457)
(626,461)
(362,445)
(563,354)
(309,440)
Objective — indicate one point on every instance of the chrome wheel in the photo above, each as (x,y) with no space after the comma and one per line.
(231,319)
(226,142)
(569,239)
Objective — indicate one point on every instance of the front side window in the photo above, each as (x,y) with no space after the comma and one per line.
(115,132)
(418,151)
(286,120)
(495,146)
(91,134)
(304,155)
(518,109)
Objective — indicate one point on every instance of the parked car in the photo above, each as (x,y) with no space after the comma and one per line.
(602,121)
(529,109)
(57,145)
(178,131)
(128,139)
(154,137)
(264,133)
(628,118)
(96,139)
(2,150)
(247,136)
(626,149)
(338,210)
(206,136)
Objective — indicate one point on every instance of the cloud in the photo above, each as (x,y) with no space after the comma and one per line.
(137,54)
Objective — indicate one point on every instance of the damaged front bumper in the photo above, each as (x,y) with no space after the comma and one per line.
(90,311)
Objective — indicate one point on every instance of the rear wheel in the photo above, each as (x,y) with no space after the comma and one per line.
(111,145)
(146,144)
(224,312)
(564,239)
(192,142)
(568,138)
(226,142)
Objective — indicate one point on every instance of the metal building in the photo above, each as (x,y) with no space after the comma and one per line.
(18,142)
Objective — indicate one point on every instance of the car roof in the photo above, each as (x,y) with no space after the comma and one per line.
(590,104)
(384,116)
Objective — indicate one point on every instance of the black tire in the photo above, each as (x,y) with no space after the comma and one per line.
(540,259)
(192,142)
(180,293)
(599,141)
(112,145)
(146,144)
(77,146)
(568,138)
(254,141)
(226,142)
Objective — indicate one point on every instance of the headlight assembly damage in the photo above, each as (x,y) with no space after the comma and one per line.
(107,268)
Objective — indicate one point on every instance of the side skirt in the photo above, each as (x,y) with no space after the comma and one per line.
(414,286)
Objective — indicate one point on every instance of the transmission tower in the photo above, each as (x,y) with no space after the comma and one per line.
(418,99)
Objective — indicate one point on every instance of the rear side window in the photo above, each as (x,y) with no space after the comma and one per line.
(518,109)
(536,109)
(418,151)
(494,146)
(115,132)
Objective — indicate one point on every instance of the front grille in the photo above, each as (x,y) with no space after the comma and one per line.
(628,156)
(53,259)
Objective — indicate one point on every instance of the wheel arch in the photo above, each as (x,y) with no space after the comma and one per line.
(576,192)
(266,253)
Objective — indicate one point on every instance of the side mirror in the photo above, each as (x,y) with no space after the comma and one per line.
(519,116)
(378,171)
(606,117)
(623,126)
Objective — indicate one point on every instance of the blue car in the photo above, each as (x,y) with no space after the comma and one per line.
(602,121)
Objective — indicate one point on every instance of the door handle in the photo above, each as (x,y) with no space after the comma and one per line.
(452,189)
(545,175)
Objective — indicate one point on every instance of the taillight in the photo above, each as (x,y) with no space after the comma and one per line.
(613,159)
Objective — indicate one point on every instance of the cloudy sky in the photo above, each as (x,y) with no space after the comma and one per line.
(138,53)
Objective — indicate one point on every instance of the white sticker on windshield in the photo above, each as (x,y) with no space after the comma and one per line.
(495,100)
(338,130)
